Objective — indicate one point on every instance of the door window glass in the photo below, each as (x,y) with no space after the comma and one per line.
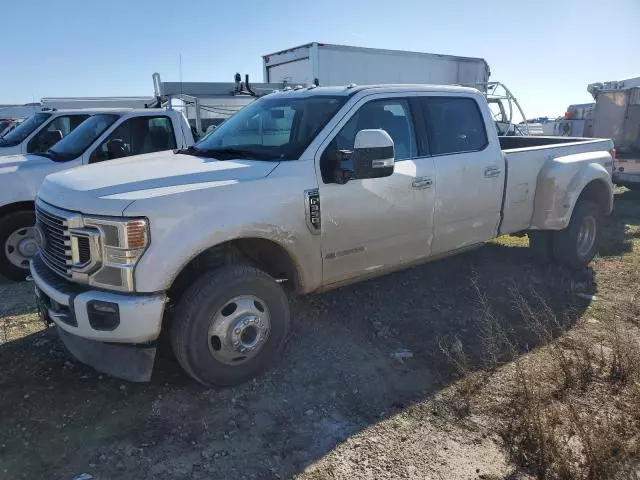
(137,136)
(392,115)
(454,125)
(51,134)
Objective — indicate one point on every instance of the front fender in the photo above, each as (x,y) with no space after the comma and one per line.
(560,184)
(160,266)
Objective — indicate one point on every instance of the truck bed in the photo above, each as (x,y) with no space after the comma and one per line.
(525,157)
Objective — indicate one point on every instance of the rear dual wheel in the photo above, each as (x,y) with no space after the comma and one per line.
(576,245)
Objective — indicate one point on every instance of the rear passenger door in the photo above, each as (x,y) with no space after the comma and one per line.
(469,172)
(135,136)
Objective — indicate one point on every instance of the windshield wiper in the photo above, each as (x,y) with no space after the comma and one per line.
(56,156)
(229,153)
(186,151)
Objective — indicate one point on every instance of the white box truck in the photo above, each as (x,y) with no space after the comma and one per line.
(327,65)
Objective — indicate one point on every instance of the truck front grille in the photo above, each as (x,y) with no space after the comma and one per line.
(55,249)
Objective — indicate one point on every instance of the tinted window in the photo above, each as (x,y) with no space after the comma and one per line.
(392,115)
(25,129)
(454,125)
(137,136)
(57,129)
(75,144)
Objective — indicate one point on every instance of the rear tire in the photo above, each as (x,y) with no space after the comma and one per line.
(576,245)
(230,325)
(16,243)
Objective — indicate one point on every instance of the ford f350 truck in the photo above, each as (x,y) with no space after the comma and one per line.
(104,134)
(300,192)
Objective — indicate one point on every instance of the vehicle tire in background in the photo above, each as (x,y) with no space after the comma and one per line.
(541,245)
(576,245)
(17,243)
(230,325)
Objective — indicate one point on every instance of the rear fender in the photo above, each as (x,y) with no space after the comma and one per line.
(563,180)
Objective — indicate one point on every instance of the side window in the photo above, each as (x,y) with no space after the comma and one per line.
(454,125)
(55,131)
(392,115)
(136,136)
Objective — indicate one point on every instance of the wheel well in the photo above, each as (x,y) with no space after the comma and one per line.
(597,191)
(16,207)
(261,253)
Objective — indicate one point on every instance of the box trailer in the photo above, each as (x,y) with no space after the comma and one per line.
(325,64)
(617,112)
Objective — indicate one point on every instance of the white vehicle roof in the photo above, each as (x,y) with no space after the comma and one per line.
(120,110)
(352,89)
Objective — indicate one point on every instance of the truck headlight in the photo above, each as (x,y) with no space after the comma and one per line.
(115,246)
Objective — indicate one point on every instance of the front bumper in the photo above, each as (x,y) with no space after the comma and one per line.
(124,347)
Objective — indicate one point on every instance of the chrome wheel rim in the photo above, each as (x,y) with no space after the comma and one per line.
(239,330)
(20,246)
(586,236)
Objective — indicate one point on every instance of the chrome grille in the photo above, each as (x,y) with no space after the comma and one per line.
(57,244)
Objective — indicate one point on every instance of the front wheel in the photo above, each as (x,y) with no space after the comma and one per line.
(230,325)
(18,241)
(576,245)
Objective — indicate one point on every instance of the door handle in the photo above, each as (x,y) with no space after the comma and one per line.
(422,182)
(492,171)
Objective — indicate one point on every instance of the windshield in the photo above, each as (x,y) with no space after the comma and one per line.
(74,144)
(271,128)
(17,135)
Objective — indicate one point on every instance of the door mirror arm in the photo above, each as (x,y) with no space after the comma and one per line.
(343,175)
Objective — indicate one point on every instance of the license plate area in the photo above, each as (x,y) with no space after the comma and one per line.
(48,308)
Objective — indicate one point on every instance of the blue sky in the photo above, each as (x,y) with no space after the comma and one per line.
(546,51)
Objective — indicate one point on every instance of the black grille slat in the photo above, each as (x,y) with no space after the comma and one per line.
(55,235)
(56,253)
(51,216)
(84,250)
(50,223)
(53,265)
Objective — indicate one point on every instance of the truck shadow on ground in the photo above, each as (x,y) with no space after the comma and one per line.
(337,377)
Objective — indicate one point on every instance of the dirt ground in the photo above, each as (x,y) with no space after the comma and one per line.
(338,405)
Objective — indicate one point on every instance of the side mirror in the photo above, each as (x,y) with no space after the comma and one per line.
(373,154)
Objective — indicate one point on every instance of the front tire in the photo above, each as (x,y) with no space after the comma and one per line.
(17,244)
(230,325)
(576,245)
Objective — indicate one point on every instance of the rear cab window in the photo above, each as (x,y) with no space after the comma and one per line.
(454,125)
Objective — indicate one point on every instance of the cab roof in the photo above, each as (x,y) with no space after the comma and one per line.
(93,111)
(353,89)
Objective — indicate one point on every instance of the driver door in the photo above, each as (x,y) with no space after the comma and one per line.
(376,224)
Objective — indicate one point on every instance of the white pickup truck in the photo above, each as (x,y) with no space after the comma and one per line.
(42,130)
(103,134)
(300,192)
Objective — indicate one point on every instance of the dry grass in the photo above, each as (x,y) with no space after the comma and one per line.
(570,408)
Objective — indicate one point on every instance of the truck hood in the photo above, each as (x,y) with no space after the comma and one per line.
(13,150)
(109,188)
(13,163)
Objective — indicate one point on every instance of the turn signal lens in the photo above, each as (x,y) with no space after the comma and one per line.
(136,231)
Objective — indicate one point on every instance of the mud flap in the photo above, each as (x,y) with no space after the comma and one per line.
(128,362)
